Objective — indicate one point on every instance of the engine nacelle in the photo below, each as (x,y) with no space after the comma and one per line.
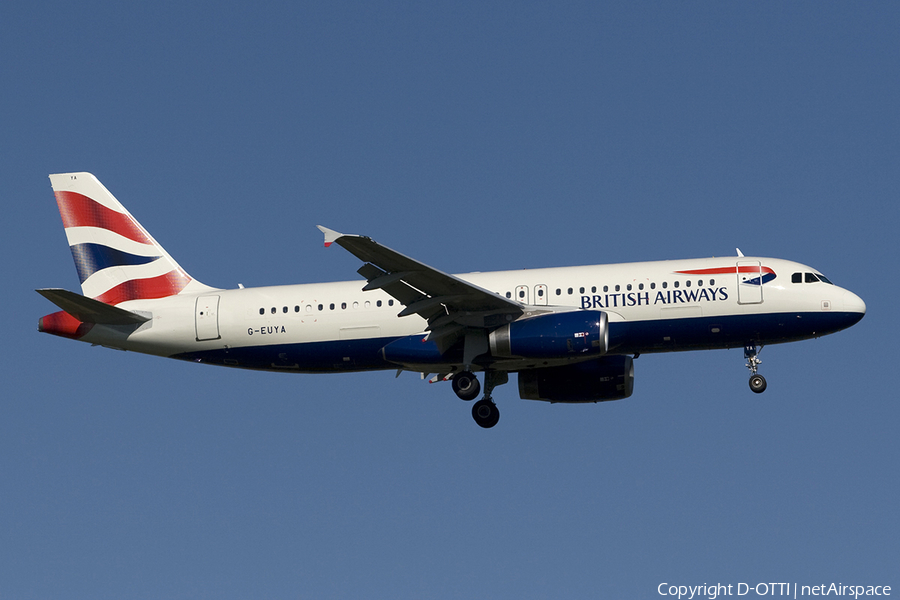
(554,335)
(607,378)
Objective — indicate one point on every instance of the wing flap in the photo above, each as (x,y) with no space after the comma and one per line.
(385,280)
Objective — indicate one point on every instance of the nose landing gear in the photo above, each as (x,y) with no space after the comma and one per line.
(757,381)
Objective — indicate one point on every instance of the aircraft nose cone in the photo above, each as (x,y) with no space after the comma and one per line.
(853,303)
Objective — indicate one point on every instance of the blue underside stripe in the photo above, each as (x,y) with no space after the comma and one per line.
(702,333)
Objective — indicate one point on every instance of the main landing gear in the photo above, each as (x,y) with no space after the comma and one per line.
(485,413)
(757,381)
(466,386)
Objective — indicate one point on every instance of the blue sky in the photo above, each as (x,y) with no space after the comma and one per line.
(472,136)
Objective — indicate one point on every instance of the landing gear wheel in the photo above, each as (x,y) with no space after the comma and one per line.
(465,385)
(758,383)
(485,413)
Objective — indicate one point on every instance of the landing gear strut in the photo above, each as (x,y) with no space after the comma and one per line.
(757,381)
(485,412)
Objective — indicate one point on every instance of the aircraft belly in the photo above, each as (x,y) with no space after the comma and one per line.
(723,331)
(304,357)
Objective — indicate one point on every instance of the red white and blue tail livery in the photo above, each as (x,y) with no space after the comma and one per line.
(569,334)
(116,259)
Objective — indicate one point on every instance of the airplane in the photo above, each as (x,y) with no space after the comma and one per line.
(571,334)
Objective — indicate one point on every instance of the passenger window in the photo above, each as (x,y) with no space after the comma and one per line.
(331,306)
(618,287)
(321,307)
(640,286)
(570,291)
(558,291)
(593,289)
(712,282)
(343,306)
(797,278)
(521,293)
(297,308)
(652,286)
(628,287)
(262,311)
(378,304)
(308,308)
(540,292)
(580,290)
(509,294)
(665,284)
(605,288)
(390,302)
(687,283)
(676,284)
(274,310)
(284,310)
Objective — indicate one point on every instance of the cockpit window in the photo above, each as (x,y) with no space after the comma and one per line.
(809,278)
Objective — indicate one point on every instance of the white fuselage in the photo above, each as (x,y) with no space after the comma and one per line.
(652,307)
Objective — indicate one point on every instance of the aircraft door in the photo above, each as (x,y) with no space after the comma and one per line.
(206,314)
(540,295)
(522,294)
(749,275)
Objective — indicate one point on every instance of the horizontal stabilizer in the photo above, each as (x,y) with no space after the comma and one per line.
(88,310)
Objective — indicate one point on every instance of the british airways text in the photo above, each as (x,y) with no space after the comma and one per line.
(661,297)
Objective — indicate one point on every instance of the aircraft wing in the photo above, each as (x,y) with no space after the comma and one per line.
(447,302)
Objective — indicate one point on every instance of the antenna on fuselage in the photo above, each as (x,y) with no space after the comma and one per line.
(739,252)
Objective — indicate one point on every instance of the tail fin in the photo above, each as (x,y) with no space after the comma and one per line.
(116,259)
